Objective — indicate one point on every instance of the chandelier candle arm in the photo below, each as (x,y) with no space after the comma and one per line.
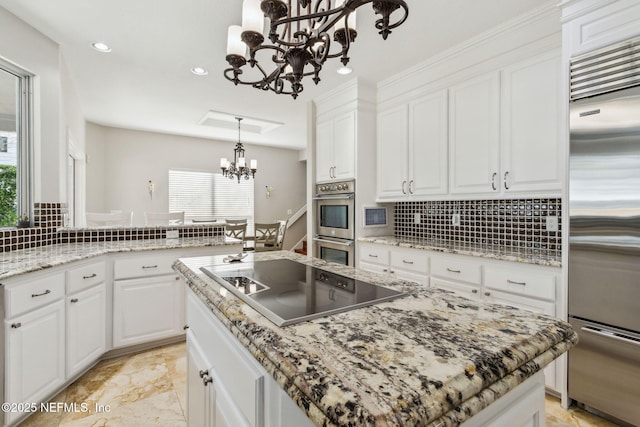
(300,42)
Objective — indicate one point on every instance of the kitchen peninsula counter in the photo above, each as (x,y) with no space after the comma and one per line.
(428,358)
(22,261)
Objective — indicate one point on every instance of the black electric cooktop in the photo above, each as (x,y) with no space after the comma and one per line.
(287,292)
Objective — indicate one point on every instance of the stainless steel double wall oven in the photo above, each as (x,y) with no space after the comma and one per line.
(335,222)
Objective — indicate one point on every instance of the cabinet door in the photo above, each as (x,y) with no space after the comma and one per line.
(201,394)
(344,144)
(324,151)
(531,125)
(86,328)
(392,153)
(146,309)
(474,132)
(428,145)
(34,355)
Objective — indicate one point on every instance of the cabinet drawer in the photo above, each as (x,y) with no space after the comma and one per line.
(144,266)
(86,276)
(464,290)
(528,283)
(457,269)
(408,260)
(25,296)
(240,375)
(377,254)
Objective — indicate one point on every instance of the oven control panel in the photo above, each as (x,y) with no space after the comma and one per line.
(336,187)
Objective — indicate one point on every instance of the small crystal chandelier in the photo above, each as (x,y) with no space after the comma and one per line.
(238,168)
(300,33)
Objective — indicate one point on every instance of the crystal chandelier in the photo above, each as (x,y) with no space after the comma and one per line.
(300,36)
(238,168)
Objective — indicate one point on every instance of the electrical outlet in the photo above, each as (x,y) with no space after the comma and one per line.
(172,234)
(455,219)
(552,223)
(416,218)
(289,211)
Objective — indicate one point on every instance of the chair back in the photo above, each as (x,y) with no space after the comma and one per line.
(163,218)
(236,231)
(282,229)
(99,219)
(266,236)
(230,221)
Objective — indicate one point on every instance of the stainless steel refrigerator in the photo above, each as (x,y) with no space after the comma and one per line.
(604,242)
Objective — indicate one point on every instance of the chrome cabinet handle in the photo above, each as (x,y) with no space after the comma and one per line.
(73,300)
(91,276)
(487,294)
(516,283)
(474,291)
(391,271)
(506,186)
(16,325)
(185,327)
(403,184)
(452,271)
(39,295)
(373,256)
(407,262)
(149,266)
(202,373)
(493,180)
(410,185)
(206,380)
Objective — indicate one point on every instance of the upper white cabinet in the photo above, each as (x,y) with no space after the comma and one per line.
(530,125)
(474,113)
(412,148)
(335,147)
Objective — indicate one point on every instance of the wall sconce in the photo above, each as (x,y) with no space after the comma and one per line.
(269,191)
(151,187)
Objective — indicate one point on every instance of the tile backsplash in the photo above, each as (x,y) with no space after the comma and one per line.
(518,224)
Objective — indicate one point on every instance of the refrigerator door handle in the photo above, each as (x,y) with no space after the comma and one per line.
(609,334)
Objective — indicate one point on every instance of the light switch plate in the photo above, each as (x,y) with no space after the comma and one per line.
(455,219)
(416,218)
(172,234)
(552,223)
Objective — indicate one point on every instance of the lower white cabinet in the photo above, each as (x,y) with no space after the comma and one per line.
(403,263)
(35,355)
(86,327)
(226,385)
(147,309)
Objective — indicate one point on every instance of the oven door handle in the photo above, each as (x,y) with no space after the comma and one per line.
(333,242)
(334,197)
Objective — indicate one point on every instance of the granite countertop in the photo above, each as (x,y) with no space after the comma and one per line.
(524,255)
(28,260)
(428,358)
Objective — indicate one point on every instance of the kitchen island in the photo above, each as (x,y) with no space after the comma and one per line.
(428,358)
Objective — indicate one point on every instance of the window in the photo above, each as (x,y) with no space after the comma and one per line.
(15,170)
(206,195)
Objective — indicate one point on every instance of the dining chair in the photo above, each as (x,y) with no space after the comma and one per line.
(237,232)
(236,221)
(266,236)
(100,219)
(163,218)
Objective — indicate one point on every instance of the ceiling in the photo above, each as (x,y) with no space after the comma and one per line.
(145,82)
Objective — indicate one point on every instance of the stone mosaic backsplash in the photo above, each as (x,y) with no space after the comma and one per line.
(484,224)
(47,229)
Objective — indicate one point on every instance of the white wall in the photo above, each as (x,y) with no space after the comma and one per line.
(56,108)
(121,162)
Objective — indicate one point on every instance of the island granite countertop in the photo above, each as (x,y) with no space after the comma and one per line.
(428,358)
(23,261)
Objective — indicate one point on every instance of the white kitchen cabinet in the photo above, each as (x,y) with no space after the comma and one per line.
(35,355)
(147,309)
(412,149)
(335,148)
(458,274)
(86,327)
(531,112)
(474,135)
(402,263)
(201,396)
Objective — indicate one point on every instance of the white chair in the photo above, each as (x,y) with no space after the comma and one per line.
(164,218)
(95,219)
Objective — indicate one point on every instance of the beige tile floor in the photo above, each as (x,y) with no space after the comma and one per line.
(149,390)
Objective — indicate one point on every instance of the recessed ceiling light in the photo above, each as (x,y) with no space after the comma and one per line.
(101,47)
(344,70)
(199,71)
